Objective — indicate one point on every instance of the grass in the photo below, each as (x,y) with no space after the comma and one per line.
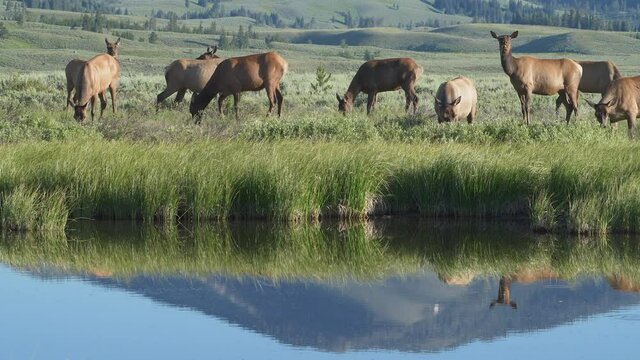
(559,187)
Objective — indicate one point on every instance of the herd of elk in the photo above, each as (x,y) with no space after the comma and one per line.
(236,75)
(189,74)
(376,76)
(93,78)
(209,76)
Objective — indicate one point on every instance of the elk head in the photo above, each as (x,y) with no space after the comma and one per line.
(112,48)
(345,104)
(209,54)
(447,111)
(505,41)
(603,110)
(80,112)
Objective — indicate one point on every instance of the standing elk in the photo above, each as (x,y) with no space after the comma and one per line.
(530,75)
(94,77)
(73,67)
(455,100)
(240,74)
(596,77)
(377,76)
(189,74)
(621,101)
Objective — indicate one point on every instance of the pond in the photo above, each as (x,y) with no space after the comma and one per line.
(389,289)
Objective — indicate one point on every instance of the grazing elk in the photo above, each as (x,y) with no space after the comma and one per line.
(188,74)
(456,99)
(95,76)
(73,67)
(239,74)
(621,101)
(596,77)
(377,76)
(530,75)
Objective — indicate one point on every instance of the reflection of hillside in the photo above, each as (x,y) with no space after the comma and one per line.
(416,313)
(445,303)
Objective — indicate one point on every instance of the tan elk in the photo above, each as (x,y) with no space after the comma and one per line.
(73,67)
(620,102)
(189,74)
(456,99)
(376,76)
(596,77)
(94,78)
(530,75)
(240,74)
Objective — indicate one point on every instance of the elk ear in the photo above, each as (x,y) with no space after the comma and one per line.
(456,101)
(338,97)
(106,41)
(591,103)
(438,101)
(214,49)
(612,102)
(118,41)
(514,35)
(208,49)
(495,36)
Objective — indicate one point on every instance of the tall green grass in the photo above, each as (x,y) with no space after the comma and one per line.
(587,188)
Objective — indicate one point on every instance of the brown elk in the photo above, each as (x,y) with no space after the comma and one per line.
(530,75)
(188,74)
(376,76)
(456,99)
(73,67)
(240,74)
(621,101)
(596,78)
(95,76)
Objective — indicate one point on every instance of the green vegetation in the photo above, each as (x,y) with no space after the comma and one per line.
(365,251)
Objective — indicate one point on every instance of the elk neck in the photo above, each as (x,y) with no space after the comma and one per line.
(508,61)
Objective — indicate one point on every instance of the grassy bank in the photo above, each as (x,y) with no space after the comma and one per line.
(587,188)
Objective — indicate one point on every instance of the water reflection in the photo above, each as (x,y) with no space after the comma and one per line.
(404,286)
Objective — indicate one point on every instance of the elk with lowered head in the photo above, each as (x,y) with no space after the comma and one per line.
(240,74)
(455,100)
(530,75)
(376,76)
(94,78)
(620,102)
(596,78)
(189,74)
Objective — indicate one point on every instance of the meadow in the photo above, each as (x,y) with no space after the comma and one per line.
(313,163)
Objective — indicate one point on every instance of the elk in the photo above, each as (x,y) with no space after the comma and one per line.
(72,69)
(456,99)
(620,102)
(94,77)
(240,74)
(525,276)
(530,75)
(596,77)
(188,74)
(377,76)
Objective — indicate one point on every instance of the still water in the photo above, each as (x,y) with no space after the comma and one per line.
(358,291)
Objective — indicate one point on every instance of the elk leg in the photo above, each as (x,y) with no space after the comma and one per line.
(93,106)
(574,98)
(163,96)
(236,100)
(112,90)
(375,101)
(472,115)
(220,101)
(560,102)
(522,107)
(180,95)
(280,99)
(370,99)
(527,105)
(69,90)
(271,94)
(631,124)
(103,104)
